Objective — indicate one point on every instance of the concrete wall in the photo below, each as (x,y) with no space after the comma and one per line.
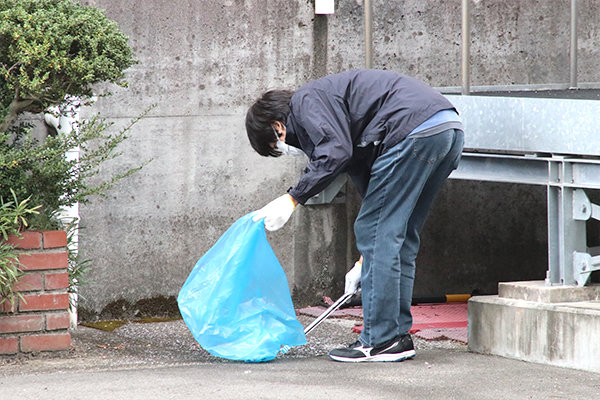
(203,62)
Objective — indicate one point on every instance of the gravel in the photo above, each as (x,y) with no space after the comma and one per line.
(160,344)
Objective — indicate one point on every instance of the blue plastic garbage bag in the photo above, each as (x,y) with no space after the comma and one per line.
(236,301)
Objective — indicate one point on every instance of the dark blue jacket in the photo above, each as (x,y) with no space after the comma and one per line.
(344,121)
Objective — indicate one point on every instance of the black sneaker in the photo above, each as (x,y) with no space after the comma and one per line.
(398,349)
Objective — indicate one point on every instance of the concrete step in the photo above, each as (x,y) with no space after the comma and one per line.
(532,322)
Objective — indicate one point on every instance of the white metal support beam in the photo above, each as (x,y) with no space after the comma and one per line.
(568,206)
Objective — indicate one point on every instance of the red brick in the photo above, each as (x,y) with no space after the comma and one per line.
(30,281)
(39,302)
(53,239)
(9,345)
(6,308)
(57,321)
(45,342)
(21,323)
(37,261)
(56,281)
(27,240)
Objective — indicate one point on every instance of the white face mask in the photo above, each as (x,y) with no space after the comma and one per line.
(289,150)
(285,148)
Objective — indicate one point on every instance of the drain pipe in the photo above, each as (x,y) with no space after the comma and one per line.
(64,119)
(573,52)
(466,49)
(368,16)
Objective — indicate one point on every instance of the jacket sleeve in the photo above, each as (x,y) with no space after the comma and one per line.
(325,120)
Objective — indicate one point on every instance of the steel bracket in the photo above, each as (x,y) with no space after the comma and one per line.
(331,194)
(583,265)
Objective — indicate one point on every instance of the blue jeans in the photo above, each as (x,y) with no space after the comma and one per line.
(403,184)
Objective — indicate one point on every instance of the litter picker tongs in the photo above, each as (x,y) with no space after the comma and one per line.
(332,308)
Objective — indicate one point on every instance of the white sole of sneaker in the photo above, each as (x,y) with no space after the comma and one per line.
(405,355)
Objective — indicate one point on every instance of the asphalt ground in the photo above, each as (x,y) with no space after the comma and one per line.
(161,360)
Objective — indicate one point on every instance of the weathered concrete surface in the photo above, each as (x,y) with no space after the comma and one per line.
(539,292)
(161,361)
(565,334)
(147,235)
(203,62)
(435,375)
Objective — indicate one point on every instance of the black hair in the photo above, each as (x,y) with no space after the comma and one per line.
(272,106)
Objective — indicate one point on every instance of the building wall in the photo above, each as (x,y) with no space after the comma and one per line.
(201,63)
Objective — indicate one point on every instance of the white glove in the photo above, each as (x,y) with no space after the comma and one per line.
(276,213)
(353,278)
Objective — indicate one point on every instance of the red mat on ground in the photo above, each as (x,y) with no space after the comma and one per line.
(430,321)
(430,316)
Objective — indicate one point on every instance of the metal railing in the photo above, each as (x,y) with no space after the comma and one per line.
(465,88)
(549,142)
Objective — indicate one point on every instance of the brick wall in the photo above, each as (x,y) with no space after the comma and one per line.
(39,321)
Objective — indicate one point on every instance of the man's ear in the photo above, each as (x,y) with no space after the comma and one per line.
(280,128)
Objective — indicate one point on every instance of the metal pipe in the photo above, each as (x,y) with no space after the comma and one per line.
(466,45)
(339,302)
(368,15)
(573,53)
(519,88)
